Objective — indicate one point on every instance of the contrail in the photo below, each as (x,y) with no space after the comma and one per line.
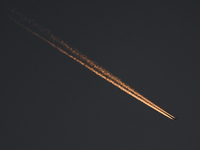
(63,47)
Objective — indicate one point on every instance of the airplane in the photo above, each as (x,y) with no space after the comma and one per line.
(175,119)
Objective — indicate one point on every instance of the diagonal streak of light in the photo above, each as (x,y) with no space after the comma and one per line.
(59,44)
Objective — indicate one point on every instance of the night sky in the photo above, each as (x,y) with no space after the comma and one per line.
(48,101)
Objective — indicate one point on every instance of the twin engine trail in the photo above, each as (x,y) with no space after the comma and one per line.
(63,47)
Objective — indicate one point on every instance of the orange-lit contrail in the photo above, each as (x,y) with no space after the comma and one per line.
(56,42)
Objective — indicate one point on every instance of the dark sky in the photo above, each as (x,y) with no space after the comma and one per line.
(50,102)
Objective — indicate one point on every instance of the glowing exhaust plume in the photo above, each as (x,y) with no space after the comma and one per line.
(56,42)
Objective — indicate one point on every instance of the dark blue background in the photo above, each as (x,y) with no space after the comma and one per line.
(49,101)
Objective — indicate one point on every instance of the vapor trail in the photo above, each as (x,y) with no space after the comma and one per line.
(56,42)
